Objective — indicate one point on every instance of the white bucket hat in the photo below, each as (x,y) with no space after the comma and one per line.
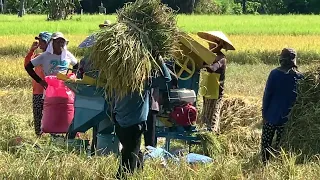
(57,35)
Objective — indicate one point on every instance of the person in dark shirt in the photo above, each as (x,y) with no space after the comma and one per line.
(130,116)
(212,107)
(279,96)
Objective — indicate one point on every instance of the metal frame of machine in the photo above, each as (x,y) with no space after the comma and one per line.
(187,68)
(91,108)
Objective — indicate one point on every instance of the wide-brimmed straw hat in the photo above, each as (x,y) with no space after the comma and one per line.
(106,23)
(211,36)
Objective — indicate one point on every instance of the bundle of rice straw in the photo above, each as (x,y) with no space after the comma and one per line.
(210,144)
(302,132)
(239,112)
(125,52)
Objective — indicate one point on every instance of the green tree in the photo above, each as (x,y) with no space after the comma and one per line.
(60,9)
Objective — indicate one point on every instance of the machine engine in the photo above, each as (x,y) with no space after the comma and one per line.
(178,108)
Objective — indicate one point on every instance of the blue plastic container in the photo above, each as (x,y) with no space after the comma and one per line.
(107,144)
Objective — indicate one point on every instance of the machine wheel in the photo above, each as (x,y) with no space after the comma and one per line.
(188,62)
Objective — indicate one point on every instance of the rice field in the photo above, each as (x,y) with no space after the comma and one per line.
(230,24)
(258,40)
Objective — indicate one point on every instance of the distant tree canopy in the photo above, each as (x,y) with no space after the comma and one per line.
(185,6)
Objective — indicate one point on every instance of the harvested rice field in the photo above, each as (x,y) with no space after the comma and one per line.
(258,41)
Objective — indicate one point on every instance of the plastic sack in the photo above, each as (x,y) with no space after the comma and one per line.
(154,153)
(57,92)
(58,107)
(198,158)
(57,118)
(209,84)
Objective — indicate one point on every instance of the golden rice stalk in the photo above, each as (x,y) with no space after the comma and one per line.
(122,59)
(302,132)
(125,52)
(210,144)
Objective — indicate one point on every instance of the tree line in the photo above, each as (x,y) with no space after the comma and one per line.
(182,6)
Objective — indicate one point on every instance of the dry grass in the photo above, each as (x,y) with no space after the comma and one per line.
(239,160)
(250,49)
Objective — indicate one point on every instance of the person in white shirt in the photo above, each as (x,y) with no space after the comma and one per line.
(56,59)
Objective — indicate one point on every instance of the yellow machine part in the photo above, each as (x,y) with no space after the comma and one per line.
(192,57)
(196,51)
(89,80)
(209,84)
(165,121)
(62,77)
(85,80)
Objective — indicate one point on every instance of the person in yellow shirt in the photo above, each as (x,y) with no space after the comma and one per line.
(212,107)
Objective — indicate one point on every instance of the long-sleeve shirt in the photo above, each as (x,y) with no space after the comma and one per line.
(133,108)
(279,96)
(219,67)
(37,88)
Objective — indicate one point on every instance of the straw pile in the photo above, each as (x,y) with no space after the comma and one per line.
(125,53)
(239,112)
(302,133)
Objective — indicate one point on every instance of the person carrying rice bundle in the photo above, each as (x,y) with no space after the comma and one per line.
(279,97)
(37,101)
(130,116)
(127,55)
(212,107)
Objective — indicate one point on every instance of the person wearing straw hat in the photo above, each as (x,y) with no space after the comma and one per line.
(217,41)
(105,24)
(279,96)
(42,43)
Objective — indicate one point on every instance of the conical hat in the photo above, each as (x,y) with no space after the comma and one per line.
(214,35)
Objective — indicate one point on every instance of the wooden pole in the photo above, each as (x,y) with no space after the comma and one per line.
(21,9)
(244,6)
(4,6)
(1,7)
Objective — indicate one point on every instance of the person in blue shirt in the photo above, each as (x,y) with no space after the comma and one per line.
(130,115)
(279,97)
